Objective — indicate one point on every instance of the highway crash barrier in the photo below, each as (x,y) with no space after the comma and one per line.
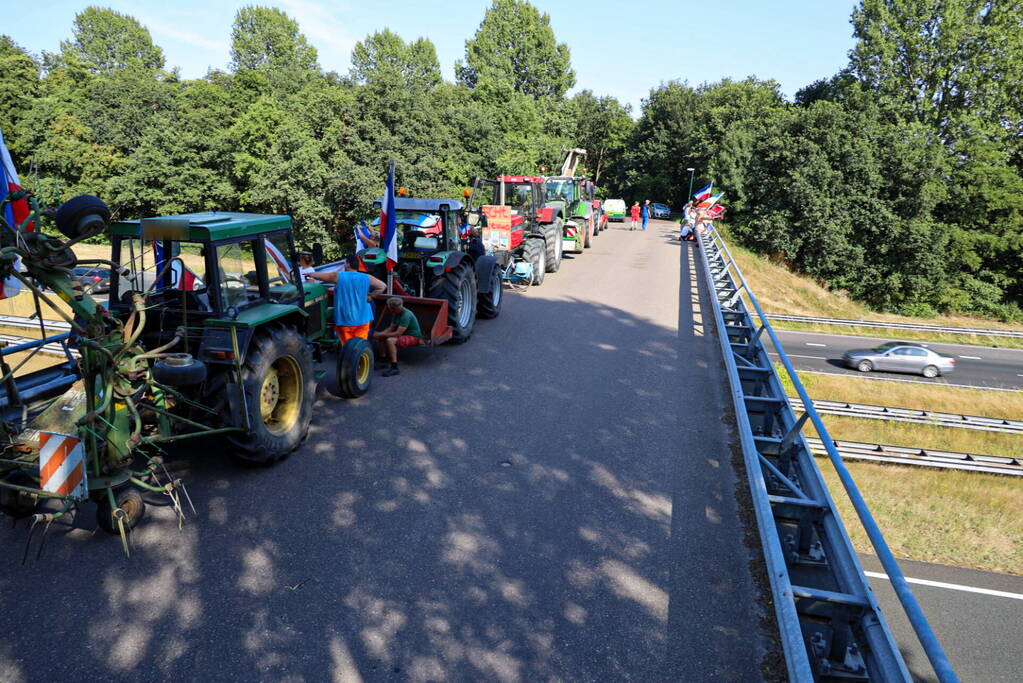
(829,621)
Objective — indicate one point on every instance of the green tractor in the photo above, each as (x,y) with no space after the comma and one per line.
(572,196)
(209,332)
(442,280)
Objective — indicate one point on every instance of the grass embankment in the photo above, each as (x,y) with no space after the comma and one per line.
(779,290)
(960,518)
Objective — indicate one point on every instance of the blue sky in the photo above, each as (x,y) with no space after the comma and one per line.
(618,48)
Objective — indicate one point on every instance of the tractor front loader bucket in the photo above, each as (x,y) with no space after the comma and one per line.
(432,315)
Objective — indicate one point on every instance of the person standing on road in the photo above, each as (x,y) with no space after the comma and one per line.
(645,213)
(353,312)
(634,215)
(403,332)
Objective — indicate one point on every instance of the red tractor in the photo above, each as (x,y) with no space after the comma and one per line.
(515,225)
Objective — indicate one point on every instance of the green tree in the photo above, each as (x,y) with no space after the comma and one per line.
(106,40)
(384,59)
(515,44)
(19,83)
(268,41)
(602,128)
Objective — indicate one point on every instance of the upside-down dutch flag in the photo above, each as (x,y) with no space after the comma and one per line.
(716,211)
(362,233)
(389,222)
(711,201)
(704,193)
(14,212)
(282,263)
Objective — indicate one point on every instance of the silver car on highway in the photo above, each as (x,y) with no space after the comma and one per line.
(900,357)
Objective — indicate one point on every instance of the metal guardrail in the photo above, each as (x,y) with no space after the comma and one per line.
(830,624)
(925,457)
(924,417)
(984,332)
(33,323)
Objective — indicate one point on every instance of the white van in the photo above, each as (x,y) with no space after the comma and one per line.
(615,209)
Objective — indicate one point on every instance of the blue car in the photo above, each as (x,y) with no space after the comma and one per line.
(659,210)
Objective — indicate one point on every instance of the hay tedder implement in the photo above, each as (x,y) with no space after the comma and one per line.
(209,332)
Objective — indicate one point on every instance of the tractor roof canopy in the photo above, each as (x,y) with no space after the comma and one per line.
(520,179)
(206,225)
(422,204)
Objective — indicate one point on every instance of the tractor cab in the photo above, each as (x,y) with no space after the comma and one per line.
(428,236)
(210,269)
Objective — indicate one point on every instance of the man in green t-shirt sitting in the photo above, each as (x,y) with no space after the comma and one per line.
(403,332)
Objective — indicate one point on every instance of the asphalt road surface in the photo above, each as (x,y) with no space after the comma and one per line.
(977,616)
(555,499)
(976,366)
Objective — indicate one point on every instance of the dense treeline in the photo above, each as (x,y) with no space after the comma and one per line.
(899,180)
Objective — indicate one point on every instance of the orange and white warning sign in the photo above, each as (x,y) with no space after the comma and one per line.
(497,216)
(62,465)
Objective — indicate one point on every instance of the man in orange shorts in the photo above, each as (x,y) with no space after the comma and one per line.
(353,313)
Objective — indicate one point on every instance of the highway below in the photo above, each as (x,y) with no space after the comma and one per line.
(553,500)
(976,366)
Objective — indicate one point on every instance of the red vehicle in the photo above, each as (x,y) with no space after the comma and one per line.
(514,224)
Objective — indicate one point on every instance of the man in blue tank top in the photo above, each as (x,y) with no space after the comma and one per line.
(353,313)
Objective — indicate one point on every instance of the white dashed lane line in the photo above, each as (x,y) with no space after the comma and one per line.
(972,357)
(812,344)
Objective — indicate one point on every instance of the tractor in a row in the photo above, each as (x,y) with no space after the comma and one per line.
(208,332)
(438,274)
(515,223)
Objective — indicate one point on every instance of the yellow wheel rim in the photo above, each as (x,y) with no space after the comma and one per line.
(280,397)
(363,369)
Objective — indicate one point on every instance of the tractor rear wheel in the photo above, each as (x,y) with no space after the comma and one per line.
(589,233)
(535,253)
(458,287)
(354,368)
(279,386)
(554,232)
(14,503)
(489,304)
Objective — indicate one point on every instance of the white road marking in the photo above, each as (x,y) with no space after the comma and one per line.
(812,344)
(796,355)
(954,586)
(972,357)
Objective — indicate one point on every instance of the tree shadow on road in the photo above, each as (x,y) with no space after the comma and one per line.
(502,510)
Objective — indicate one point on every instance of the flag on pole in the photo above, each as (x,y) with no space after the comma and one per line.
(283,266)
(711,201)
(704,193)
(716,211)
(389,222)
(14,212)
(362,233)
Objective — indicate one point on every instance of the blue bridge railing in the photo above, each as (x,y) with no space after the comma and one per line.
(830,624)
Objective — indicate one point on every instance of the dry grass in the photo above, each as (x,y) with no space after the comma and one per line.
(945,516)
(1004,404)
(779,290)
(913,435)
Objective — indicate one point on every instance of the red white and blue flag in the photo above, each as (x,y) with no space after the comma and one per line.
(283,265)
(710,201)
(704,193)
(362,234)
(13,212)
(389,222)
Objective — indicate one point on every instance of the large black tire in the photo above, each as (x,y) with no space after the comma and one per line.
(279,385)
(458,287)
(489,304)
(535,252)
(354,368)
(554,233)
(586,239)
(129,500)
